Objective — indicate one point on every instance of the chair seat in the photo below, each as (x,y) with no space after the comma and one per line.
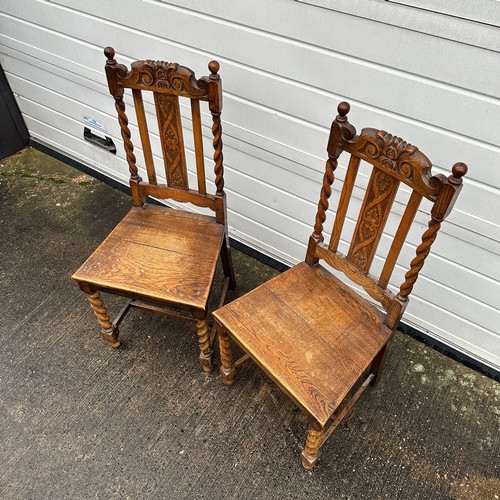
(310,333)
(154,253)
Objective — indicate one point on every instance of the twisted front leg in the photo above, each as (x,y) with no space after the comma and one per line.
(108,331)
(227,370)
(310,454)
(206,352)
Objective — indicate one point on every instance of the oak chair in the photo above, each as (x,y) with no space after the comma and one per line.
(164,259)
(313,334)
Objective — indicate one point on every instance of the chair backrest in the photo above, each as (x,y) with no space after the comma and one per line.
(394,161)
(168,82)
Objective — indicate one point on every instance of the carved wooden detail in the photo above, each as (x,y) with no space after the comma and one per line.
(170,129)
(376,207)
(127,142)
(451,188)
(113,72)
(311,451)
(203,335)
(227,370)
(396,157)
(99,310)
(218,156)
(340,129)
(164,76)
(215,105)
(326,191)
(205,345)
(311,332)
(417,263)
(109,331)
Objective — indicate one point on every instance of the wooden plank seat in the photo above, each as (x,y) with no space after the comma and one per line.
(314,359)
(164,259)
(154,253)
(317,337)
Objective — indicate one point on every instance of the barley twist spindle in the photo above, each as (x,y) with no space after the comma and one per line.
(203,335)
(129,147)
(108,331)
(218,157)
(311,451)
(326,191)
(417,263)
(226,354)
(100,311)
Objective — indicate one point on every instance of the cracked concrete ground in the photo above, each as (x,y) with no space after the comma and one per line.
(80,420)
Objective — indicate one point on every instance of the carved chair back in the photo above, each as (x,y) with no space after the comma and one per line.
(168,82)
(394,162)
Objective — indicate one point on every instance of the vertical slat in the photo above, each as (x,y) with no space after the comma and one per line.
(399,238)
(143,130)
(198,145)
(376,207)
(172,143)
(343,205)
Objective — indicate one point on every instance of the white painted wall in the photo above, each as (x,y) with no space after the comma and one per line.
(428,77)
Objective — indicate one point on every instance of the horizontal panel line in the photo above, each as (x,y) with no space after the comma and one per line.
(460,318)
(477,183)
(450,289)
(113,118)
(320,91)
(388,69)
(68,63)
(319,48)
(448,339)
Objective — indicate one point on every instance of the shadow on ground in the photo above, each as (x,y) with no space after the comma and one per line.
(79,420)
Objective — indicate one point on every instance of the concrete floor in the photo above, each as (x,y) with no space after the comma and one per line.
(80,420)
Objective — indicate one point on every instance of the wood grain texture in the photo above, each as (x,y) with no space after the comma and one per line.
(144,133)
(367,281)
(344,200)
(158,253)
(309,331)
(399,238)
(198,145)
(163,259)
(162,192)
(314,357)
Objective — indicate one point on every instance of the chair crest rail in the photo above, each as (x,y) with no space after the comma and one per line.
(161,76)
(396,157)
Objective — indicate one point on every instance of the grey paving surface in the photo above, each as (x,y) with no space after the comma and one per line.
(79,420)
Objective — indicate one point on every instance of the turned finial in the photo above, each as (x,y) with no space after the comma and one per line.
(458,170)
(109,52)
(343,108)
(214,67)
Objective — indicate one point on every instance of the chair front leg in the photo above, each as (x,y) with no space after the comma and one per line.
(227,369)
(310,454)
(206,352)
(108,331)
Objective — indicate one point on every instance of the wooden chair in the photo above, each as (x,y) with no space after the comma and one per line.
(316,337)
(161,258)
